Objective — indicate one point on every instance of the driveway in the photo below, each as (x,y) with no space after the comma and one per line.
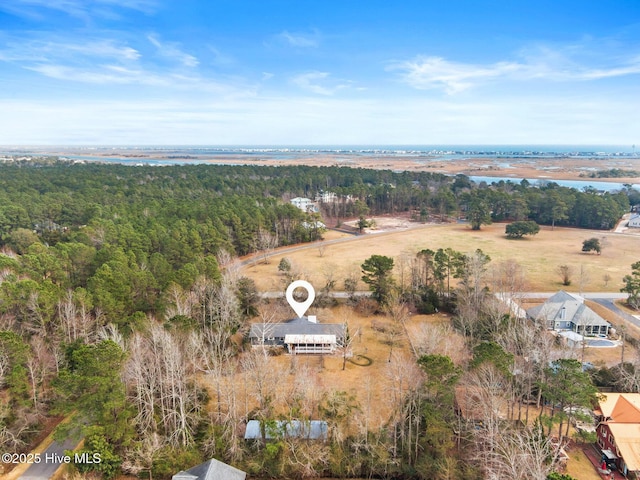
(50,461)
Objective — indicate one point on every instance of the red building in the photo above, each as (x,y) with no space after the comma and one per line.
(619,432)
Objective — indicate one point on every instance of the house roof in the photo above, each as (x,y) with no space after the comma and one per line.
(566,307)
(296,326)
(211,470)
(311,430)
(627,436)
(620,407)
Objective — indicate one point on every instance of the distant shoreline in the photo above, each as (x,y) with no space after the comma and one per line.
(507,163)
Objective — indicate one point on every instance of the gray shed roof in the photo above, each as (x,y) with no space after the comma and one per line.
(296,326)
(211,470)
(574,310)
(312,430)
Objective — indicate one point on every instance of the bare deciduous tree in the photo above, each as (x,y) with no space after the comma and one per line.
(322,248)
(76,320)
(263,381)
(40,366)
(583,278)
(140,458)
(471,293)
(565,272)
(160,382)
(264,244)
(519,454)
(404,381)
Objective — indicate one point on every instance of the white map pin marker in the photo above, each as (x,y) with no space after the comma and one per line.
(300,307)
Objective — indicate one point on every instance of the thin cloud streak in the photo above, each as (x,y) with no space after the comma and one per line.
(312,82)
(436,72)
(172,51)
(82,9)
(44,51)
(301,40)
(453,77)
(108,61)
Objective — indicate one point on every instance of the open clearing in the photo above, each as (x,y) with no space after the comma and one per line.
(376,370)
(539,256)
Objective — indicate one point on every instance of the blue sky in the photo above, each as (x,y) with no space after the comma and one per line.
(225,72)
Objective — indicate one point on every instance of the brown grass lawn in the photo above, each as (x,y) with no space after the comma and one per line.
(368,377)
(539,256)
(579,466)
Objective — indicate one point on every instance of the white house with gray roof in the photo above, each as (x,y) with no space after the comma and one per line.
(304,204)
(299,335)
(567,312)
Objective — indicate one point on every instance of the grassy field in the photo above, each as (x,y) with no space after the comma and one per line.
(539,256)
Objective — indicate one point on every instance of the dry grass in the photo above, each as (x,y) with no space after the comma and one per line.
(539,256)
(369,384)
(579,466)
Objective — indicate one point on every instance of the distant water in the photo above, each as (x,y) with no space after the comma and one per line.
(196,154)
(443,152)
(577,184)
(181,153)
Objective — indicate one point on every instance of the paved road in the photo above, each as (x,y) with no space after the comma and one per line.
(608,303)
(48,465)
(587,295)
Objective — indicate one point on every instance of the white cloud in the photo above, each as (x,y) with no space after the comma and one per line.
(436,72)
(109,61)
(172,51)
(52,50)
(82,9)
(301,40)
(316,82)
(541,63)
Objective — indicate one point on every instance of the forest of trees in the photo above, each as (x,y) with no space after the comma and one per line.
(118,287)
